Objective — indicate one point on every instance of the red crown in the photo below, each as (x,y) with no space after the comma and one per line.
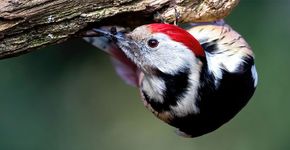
(179,35)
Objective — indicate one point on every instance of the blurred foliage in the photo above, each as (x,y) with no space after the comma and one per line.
(68,97)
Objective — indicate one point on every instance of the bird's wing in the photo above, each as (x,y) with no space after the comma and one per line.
(226,50)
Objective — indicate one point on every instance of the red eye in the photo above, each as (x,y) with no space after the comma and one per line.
(153,43)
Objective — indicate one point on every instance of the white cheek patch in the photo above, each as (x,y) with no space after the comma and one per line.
(254,75)
(214,67)
(154,88)
(169,56)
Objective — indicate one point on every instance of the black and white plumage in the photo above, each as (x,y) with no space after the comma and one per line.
(195,86)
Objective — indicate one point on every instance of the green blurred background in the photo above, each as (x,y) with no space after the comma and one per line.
(68,97)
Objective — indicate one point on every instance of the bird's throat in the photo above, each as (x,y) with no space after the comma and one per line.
(163,91)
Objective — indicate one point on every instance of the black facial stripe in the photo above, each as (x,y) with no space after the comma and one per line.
(157,106)
(176,85)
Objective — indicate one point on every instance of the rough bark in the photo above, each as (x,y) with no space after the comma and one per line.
(29,24)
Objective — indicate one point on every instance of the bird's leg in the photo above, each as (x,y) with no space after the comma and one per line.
(177,16)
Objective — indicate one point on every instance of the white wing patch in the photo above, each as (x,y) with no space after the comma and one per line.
(228,48)
(254,75)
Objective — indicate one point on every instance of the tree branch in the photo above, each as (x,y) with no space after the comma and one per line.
(29,24)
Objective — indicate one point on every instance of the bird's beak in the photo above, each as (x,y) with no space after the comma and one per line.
(112,35)
(124,41)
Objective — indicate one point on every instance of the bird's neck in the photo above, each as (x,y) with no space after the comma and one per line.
(172,92)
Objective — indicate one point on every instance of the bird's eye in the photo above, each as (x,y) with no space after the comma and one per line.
(153,43)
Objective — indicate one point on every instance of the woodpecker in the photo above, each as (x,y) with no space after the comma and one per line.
(195,80)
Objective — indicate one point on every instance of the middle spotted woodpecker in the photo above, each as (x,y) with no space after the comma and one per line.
(194,80)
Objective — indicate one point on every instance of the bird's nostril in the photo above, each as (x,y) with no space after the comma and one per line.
(113,30)
(128,36)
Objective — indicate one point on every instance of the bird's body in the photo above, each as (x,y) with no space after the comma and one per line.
(195,82)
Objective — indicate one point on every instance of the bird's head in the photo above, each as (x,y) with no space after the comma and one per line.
(160,47)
